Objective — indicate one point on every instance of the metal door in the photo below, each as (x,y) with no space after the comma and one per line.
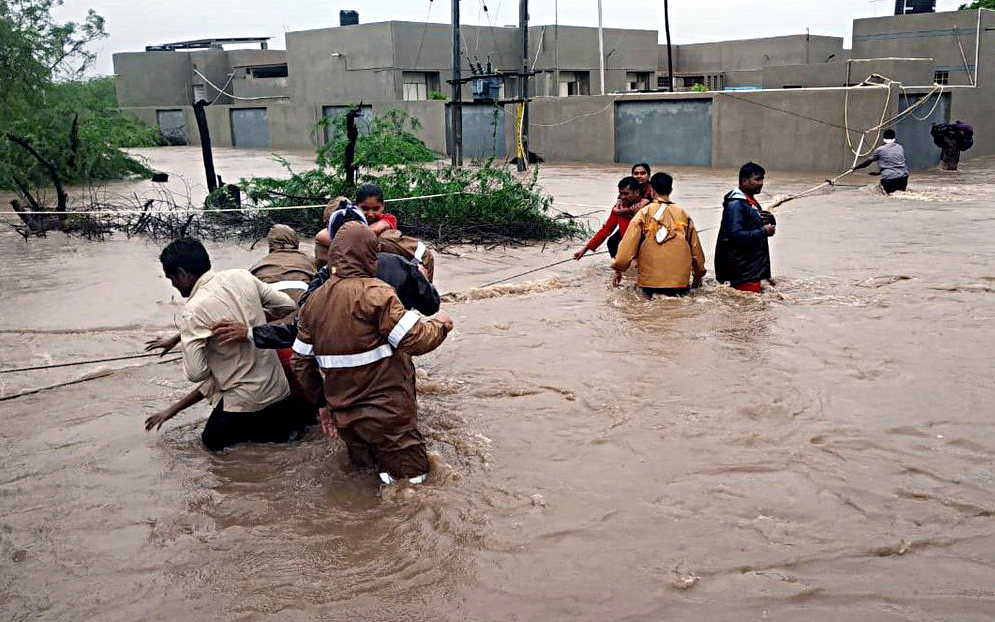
(483,130)
(913,131)
(666,133)
(249,128)
(172,126)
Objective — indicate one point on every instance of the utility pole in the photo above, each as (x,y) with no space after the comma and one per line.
(523,26)
(457,105)
(601,49)
(205,144)
(670,52)
(556,46)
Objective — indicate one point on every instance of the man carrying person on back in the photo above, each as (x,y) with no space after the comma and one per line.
(742,254)
(891,158)
(353,356)
(630,200)
(663,239)
(246,386)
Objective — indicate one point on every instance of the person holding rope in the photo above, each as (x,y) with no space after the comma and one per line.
(663,238)
(891,158)
(630,200)
(246,385)
(742,253)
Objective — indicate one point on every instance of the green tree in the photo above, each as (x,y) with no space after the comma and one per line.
(979,4)
(55,127)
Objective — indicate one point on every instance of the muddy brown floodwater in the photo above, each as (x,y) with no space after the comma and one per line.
(823,452)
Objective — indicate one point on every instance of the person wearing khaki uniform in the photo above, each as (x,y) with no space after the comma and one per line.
(355,331)
(663,238)
(285,268)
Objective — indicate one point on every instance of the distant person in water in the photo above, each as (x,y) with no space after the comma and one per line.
(630,200)
(952,138)
(742,254)
(642,173)
(891,158)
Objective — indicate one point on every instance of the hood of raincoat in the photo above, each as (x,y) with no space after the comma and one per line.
(353,253)
(282,238)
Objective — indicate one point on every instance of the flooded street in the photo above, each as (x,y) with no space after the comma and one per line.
(823,452)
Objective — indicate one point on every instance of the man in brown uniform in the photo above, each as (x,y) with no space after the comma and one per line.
(286,268)
(355,330)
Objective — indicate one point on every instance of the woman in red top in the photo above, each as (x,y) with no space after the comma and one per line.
(641,172)
(630,200)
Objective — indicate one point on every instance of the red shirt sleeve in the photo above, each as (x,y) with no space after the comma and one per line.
(390,219)
(604,232)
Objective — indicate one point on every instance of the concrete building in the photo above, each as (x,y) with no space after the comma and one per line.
(777,100)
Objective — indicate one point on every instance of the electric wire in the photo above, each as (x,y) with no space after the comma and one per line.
(424,30)
(244,99)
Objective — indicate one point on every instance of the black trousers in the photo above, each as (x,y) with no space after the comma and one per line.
(666,291)
(613,241)
(892,185)
(277,423)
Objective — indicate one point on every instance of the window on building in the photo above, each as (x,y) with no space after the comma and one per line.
(941,77)
(416,85)
(575,83)
(690,81)
(637,80)
(415,91)
(271,71)
(661,82)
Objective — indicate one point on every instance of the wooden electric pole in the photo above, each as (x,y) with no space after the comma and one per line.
(456,141)
(670,54)
(523,26)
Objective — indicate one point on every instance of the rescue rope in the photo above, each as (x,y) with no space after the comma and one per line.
(538,269)
(184,210)
(74,363)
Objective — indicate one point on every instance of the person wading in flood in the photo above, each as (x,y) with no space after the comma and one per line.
(630,200)
(742,254)
(286,268)
(952,138)
(246,386)
(891,158)
(356,332)
(663,238)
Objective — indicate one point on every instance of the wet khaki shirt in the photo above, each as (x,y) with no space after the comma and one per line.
(662,264)
(247,378)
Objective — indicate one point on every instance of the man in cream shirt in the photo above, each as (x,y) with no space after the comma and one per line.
(246,385)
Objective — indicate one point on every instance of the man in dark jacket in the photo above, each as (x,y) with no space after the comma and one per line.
(742,255)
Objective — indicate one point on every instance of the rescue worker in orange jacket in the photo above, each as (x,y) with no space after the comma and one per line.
(664,239)
(355,330)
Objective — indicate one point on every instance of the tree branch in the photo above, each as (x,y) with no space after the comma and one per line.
(60,191)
